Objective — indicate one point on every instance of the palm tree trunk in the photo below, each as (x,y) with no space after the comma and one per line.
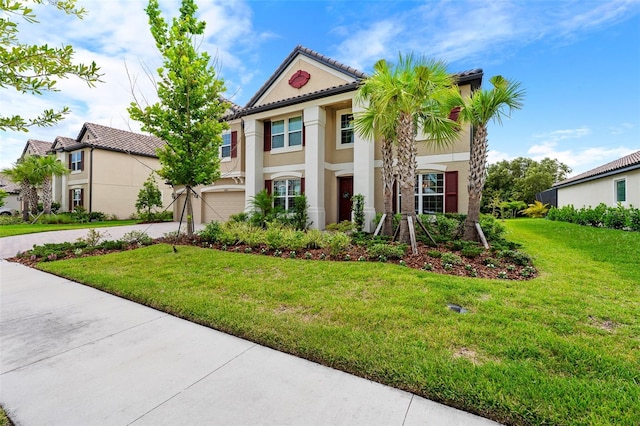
(477,176)
(46,194)
(24,192)
(387,185)
(32,195)
(407,174)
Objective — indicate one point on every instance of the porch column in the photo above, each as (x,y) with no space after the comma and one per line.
(254,149)
(315,119)
(363,173)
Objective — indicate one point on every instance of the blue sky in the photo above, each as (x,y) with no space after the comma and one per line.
(579,61)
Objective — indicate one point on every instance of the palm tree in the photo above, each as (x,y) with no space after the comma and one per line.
(45,168)
(401,100)
(478,109)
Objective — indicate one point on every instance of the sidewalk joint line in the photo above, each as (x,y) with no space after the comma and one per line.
(408,408)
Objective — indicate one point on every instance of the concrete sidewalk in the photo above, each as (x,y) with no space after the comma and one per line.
(73,355)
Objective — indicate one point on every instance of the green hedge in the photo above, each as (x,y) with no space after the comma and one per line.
(618,217)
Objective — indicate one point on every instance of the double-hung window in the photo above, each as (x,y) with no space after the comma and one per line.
(346,129)
(286,133)
(75,163)
(620,188)
(225,149)
(429,193)
(284,191)
(76,198)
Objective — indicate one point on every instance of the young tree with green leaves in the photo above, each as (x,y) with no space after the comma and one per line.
(149,197)
(34,69)
(188,116)
(478,109)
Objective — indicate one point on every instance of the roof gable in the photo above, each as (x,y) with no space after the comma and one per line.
(323,73)
(112,139)
(36,147)
(631,161)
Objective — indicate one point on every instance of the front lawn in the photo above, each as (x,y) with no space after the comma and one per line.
(27,228)
(559,349)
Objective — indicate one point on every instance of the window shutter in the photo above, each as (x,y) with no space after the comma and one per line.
(70,199)
(82,196)
(451,192)
(267,186)
(302,185)
(70,161)
(395,191)
(234,144)
(304,135)
(267,136)
(81,160)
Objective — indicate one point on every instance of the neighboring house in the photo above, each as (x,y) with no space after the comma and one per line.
(612,183)
(296,136)
(12,201)
(108,167)
(36,147)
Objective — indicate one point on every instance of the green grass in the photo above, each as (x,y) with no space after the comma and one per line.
(563,348)
(4,419)
(27,228)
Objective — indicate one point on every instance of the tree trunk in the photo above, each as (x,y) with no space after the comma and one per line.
(24,193)
(190,226)
(387,185)
(46,194)
(477,176)
(407,174)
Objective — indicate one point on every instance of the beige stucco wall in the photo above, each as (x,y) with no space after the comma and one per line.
(320,79)
(601,190)
(116,180)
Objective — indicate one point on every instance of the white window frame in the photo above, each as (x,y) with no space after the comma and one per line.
(421,191)
(223,158)
(286,134)
(288,198)
(76,165)
(339,144)
(615,190)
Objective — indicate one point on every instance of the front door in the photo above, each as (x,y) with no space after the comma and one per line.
(345,192)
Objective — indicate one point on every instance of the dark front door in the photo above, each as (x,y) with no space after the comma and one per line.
(345,192)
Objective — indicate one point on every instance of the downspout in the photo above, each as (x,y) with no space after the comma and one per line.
(91,178)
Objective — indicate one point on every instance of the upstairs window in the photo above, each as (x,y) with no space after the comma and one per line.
(346,129)
(284,191)
(286,133)
(75,161)
(225,149)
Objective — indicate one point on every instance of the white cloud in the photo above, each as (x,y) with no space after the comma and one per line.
(579,159)
(494,156)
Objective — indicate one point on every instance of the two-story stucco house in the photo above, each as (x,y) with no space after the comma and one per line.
(296,135)
(108,167)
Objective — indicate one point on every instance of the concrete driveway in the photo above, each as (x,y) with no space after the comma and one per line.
(73,355)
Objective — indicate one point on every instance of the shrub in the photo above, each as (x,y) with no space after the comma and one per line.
(273,237)
(517,257)
(492,228)
(293,239)
(344,226)
(10,220)
(451,259)
(338,243)
(471,250)
(111,245)
(390,251)
(357,207)
(434,253)
(299,218)
(634,219)
(537,209)
(137,237)
(615,217)
(97,216)
(314,239)
(239,217)
(211,232)
(93,237)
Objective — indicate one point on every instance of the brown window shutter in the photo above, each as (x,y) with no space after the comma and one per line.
(302,185)
(394,202)
(82,197)
(234,144)
(69,161)
(268,187)
(304,135)
(451,192)
(70,199)
(81,160)
(267,136)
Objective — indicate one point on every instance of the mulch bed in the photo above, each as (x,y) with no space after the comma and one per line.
(470,267)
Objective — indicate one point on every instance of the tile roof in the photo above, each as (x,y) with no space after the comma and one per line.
(116,140)
(631,161)
(7,185)
(62,142)
(37,147)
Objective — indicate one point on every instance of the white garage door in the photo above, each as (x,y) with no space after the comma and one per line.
(220,205)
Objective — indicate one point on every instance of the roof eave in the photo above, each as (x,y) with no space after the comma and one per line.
(598,176)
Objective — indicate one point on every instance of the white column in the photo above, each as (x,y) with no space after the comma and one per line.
(363,173)
(254,151)
(315,119)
